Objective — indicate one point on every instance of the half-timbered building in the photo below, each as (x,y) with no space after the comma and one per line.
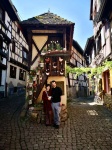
(90,54)
(100,14)
(77,87)
(50,44)
(13,51)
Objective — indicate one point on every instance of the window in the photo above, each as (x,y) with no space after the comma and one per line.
(13,46)
(22,75)
(0,76)
(12,72)
(18,30)
(99,43)
(25,54)
(1,14)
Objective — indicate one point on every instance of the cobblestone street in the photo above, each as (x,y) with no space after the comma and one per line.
(89,127)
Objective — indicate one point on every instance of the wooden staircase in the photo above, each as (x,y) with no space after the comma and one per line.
(39,88)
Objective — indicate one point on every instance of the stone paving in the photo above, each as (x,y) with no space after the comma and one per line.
(89,127)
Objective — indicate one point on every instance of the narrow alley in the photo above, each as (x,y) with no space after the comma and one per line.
(89,127)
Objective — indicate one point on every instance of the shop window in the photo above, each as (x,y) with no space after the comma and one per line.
(12,72)
(22,75)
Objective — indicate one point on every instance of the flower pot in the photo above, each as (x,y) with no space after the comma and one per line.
(64,49)
(100,76)
(30,101)
(37,73)
(30,84)
(54,66)
(40,78)
(34,78)
(43,53)
(61,73)
(47,73)
(41,65)
(30,92)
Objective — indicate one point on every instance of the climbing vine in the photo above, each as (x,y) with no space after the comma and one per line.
(90,72)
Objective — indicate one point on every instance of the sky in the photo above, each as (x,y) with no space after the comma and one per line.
(73,10)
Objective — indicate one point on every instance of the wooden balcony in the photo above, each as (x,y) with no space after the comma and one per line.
(54,62)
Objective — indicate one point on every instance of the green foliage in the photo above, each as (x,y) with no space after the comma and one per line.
(90,72)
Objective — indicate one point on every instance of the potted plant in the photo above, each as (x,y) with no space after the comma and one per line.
(33,72)
(44,51)
(41,62)
(58,46)
(30,80)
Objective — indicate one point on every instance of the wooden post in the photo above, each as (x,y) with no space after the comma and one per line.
(30,48)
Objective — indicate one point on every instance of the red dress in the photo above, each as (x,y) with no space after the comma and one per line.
(47,107)
(46,102)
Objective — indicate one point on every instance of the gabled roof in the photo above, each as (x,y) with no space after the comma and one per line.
(78,47)
(89,43)
(47,19)
(11,9)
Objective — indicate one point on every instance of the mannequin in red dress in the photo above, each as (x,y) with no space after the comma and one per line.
(46,97)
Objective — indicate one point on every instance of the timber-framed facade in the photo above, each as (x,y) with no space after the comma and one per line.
(13,51)
(50,42)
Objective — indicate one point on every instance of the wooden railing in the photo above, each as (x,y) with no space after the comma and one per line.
(39,88)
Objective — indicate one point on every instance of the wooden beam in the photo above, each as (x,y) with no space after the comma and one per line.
(47,31)
(35,46)
(32,62)
(30,48)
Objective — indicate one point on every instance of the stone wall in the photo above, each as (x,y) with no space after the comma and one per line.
(108,101)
